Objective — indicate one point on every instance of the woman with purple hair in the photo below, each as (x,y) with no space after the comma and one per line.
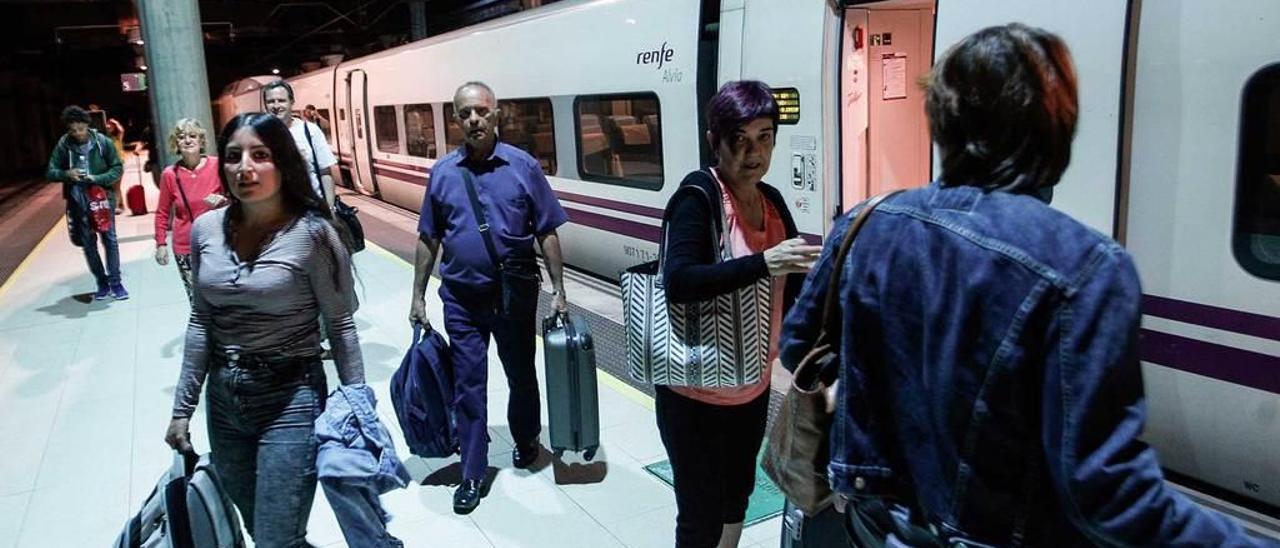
(712,435)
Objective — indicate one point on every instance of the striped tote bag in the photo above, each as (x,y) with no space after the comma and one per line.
(719,342)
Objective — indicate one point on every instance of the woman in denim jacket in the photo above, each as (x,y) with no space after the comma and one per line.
(265,269)
(989,379)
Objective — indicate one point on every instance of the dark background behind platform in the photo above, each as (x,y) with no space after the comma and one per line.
(59,52)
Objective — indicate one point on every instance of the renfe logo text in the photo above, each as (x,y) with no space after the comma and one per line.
(660,56)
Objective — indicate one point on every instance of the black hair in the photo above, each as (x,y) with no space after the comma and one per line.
(1002,107)
(299,198)
(75,115)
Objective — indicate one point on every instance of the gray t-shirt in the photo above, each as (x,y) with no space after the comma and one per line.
(270,305)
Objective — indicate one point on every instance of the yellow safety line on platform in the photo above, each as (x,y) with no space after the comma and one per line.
(628,391)
(62,221)
(383,251)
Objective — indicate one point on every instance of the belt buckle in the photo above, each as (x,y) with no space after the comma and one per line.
(232,355)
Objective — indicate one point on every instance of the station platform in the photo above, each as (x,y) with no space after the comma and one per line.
(86,389)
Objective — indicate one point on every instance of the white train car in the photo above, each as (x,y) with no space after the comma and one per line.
(240,96)
(1177,153)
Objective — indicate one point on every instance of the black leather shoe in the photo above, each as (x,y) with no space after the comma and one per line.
(524,457)
(467,497)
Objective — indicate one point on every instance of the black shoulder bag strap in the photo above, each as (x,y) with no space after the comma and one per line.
(482,222)
(315,164)
(177,181)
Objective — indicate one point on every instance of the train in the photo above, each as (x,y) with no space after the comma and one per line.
(1177,153)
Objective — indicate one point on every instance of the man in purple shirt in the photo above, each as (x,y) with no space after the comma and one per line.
(518,207)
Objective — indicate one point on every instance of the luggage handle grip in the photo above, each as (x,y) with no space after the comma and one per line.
(185,462)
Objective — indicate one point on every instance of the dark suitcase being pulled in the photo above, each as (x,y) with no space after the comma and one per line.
(573,406)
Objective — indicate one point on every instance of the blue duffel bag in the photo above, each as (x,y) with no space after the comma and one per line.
(422,394)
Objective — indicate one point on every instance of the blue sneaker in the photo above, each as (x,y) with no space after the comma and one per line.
(102,293)
(117,291)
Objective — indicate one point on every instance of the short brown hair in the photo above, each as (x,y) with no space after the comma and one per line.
(1002,107)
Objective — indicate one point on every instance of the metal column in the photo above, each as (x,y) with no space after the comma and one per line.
(177,81)
(417,19)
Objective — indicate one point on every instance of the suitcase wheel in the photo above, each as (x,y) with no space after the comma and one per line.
(589,453)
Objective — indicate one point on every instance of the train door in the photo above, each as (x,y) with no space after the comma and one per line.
(887,47)
(1097,33)
(358,122)
(1203,225)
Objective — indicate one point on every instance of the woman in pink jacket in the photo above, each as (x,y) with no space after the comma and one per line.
(189,188)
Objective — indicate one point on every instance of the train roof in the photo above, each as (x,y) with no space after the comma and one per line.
(558,8)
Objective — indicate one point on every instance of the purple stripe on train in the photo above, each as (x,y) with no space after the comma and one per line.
(1216,361)
(399,176)
(409,167)
(615,225)
(1246,323)
(651,212)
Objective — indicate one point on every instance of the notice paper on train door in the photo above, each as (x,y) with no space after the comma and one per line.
(893,67)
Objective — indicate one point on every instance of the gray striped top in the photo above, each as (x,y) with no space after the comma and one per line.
(270,305)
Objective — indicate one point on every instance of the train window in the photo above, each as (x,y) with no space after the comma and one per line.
(620,139)
(385,129)
(528,124)
(453,137)
(420,130)
(1256,238)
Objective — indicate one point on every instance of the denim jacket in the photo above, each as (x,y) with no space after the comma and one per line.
(355,463)
(354,446)
(989,375)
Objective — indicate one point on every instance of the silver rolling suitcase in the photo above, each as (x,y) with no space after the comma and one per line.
(573,406)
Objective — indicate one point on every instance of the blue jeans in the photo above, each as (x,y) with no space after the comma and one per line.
(262,432)
(363,521)
(111,274)
(356,463)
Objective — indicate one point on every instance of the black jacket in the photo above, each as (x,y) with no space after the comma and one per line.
(691,271)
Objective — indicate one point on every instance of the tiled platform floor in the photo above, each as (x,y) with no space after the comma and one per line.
(85,391)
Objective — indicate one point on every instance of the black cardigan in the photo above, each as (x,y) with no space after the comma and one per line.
(691,271)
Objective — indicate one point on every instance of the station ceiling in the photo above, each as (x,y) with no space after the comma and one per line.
(96,39)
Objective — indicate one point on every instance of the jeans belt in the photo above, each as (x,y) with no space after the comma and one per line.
(233,356)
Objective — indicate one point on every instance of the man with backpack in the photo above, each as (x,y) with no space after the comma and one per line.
(85,158)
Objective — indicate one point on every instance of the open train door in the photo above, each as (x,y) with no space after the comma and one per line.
(886,48)
(357,106)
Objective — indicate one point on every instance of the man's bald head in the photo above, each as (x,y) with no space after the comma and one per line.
(476,89)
